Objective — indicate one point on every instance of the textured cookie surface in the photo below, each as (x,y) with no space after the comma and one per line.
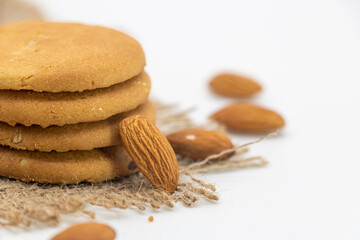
(57,57)
(45,109)
(66,168)
(82,136)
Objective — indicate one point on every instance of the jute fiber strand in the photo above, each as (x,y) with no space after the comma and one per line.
(25,204)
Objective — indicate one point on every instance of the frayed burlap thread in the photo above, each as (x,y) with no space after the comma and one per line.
(25,204)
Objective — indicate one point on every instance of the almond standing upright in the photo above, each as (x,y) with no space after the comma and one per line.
(151,152)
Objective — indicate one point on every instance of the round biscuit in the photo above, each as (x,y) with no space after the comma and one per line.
(45,109)
(66,168)
(82,136)
(59,57)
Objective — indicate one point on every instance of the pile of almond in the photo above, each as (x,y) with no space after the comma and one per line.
(155,154)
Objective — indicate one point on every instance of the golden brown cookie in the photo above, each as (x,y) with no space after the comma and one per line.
(45,109)
(82,136)
(66,168)
(59,57)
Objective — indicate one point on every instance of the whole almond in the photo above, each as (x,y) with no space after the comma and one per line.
(231,85)
(151,152)
(87,231)
(198,144)
(248,117)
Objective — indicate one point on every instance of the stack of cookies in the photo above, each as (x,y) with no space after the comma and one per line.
(64,89)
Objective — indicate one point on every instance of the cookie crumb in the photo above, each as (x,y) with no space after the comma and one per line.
(23,162)
(32,43)
(16,137)
(151,219)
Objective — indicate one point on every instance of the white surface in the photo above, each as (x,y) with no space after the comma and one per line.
(307,56)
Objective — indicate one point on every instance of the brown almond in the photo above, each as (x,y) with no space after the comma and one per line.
(231,85)
(87,231)
(199,144)
(248,117)
(151,152)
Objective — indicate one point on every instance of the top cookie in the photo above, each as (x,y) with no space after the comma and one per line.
(61,57)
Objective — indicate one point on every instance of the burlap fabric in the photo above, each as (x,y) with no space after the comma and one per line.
(25,204)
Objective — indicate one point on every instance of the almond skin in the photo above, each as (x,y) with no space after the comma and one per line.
(248,117)
(87,231)
(151,152)
(231,85)
(198,144)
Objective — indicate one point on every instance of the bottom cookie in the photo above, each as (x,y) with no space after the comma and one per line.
(68,167)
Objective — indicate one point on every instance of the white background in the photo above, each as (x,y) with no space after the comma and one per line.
(307,56)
